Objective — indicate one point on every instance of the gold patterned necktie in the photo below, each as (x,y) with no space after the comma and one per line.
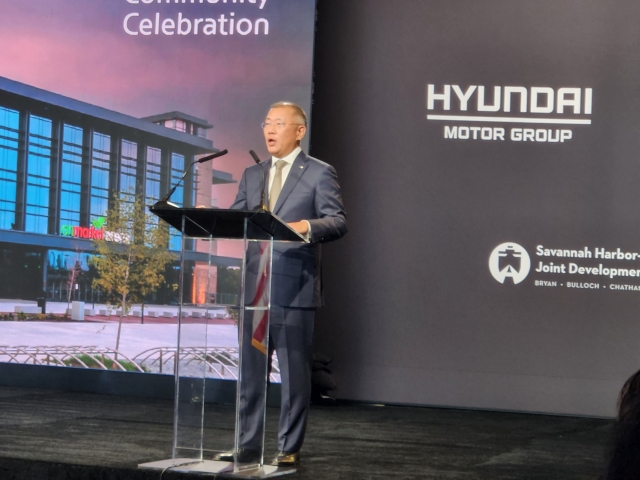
(276,186)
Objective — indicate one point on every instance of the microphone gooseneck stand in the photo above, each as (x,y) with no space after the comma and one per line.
(164,202)
(263,207)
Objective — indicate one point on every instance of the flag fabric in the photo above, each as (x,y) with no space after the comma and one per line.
(259,333)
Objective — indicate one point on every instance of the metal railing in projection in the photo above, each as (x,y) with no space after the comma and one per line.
(219,362)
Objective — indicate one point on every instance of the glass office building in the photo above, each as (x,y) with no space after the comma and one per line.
(60,161)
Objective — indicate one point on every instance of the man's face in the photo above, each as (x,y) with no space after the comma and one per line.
(282,139)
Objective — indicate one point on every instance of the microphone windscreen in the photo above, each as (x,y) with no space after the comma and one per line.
(254,156)
(212,156)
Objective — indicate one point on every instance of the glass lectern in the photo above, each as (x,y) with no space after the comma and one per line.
(199,351)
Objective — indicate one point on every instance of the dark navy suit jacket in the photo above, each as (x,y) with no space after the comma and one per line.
(311,192)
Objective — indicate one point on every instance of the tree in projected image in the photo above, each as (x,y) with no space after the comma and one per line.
(228,288)
(132,255)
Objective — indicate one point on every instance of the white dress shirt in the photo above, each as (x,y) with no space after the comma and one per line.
(286,169)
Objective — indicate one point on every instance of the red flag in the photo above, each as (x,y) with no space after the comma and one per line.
(261,300)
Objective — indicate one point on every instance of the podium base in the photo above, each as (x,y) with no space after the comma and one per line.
(267,471)
(189,465)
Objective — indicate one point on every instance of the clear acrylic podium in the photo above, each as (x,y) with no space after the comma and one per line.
(199,352)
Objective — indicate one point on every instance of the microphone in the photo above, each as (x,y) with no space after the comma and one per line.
(212,156)
(263,207)
(255,157)
(165,203)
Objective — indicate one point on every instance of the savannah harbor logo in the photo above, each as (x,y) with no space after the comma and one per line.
(509,260)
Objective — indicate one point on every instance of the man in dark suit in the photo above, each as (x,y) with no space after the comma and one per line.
(304,192)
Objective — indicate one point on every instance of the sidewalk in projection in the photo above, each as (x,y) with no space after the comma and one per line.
(100,333)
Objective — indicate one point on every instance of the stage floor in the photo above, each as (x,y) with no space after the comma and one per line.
(47,434)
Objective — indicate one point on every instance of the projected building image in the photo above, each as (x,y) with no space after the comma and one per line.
(60,161)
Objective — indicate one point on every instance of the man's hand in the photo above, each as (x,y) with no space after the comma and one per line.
(302,227)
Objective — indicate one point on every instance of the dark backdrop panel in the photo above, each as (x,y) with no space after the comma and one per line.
(413,314)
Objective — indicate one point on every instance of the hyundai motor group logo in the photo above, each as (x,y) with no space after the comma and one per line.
(509,260)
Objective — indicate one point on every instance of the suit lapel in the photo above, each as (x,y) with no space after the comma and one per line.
(297,169)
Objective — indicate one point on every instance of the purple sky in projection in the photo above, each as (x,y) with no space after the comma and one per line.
(79,48)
